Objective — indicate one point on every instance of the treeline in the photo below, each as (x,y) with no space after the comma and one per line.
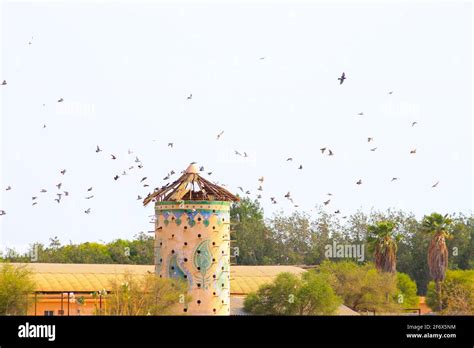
(296,239)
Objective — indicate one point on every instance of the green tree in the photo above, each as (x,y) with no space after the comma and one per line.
(16,285)
(362,287)
(383,242)
(252,238)
(407,291)
(437,226)
(457,293)
(145,295)
(290,294)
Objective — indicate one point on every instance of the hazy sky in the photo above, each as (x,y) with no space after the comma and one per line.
(125,71)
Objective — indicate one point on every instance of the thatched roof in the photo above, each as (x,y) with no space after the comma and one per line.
(191,187)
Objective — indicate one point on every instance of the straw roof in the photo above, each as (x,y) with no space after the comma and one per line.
(191,186)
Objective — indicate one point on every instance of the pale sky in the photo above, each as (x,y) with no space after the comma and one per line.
(125,71)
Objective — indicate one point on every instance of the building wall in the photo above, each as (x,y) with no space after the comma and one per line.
(192,243)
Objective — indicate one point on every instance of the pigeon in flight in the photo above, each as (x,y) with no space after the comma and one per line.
(237,153)
(33,198)
(170,145)
(4,83)
(60,100)
(300,167)
(413,151)
(201,168)
(190,97)
(209,173)
(44,126)
(240,188)
(116,177)
(342,78)
(329,194)
(143,179)
(435,185)
(360,114)
(331,153)
(3,212)
(288,195)
(8,188)
(87,211)
(273,200)
(63,171)
(59,185)
(359,182)
(373,149)
(337,212)
(289,159)
(261,179)
(370,139)
(34,203)
(124,173)
(245,154)
(43,191)
(414,123)
(393,179)
(66,193)
(130,151)
(89,189)
(113,157)
(139,198)
(327,202)
(219,135)
(90,197)
(322,149)
(260,188)
(98,149)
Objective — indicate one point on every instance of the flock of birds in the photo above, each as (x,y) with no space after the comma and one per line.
(62,193)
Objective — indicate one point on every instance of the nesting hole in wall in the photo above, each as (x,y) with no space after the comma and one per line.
(199,235)
(185,260)
(172,267)
(161,276)
(214,310)
(213,243)
(185,243)
(172,236)
(172,251)
(198,285)
(185,227)
(213,210)
(213,260)
(214,276)
(198,251)
(185,276)
(213,227)
(161,243)
(199,219)
(199,268)
(198,301)
(185,310)
(214,293)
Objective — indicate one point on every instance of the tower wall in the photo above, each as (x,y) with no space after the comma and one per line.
(192,244)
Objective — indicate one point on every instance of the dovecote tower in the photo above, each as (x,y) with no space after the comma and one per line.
(192,240)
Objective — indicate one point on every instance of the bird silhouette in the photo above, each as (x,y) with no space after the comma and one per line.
(288,195)
(373,149)
(331,153)
(116,177)
(3,212)
(130,151)
(4,83)
(43,191)
(139,198)
(359,182)
(259,197)
(59,186)
(90,197)
(34,203)
(143,179)
(124,173)
(60,100)
(245,154)
(329,194)
(237,153)
(8,188)
(413,151)
(342,78)
(322,149)
(273,200)
(289,159)
(44,126)
(209,173)
(113,157)
(201,168)
(87,211)
(58,200)
(300,167)
(414,123)
(435,185)
(260,188)
(337,212)
(190,97)
(140,166)
(360,114)
(98,149)
(240,188)
(33,198)
(391,92)
(219,135)
(63,171)
(393,179)
(170,145)
(370,139)
(261,179)
(89,189)
(327,202)
(66,193)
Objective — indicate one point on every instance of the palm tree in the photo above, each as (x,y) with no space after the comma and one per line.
(382,240)
(437,225)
